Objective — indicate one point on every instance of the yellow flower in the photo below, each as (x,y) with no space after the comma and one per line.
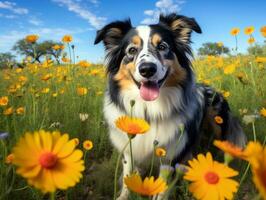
(211,179)
(55,94)
(251,40)
(62,47)
(31,38)
(65,59)
(218,119)
(45,90)
(160,152)
(84,64)
(235,31)
(87,144)
(67,38)
(51,162)
(263,112)
(260,59)
(229,148)
(230,69)
(132,126)
(8,111)
(226,94)
(220,44)
(3,101)
(9,159)
(249,30)
(263,31)
(46,77)
(56,47)
(20,110)
(82,91)
(76,140)
(148,187)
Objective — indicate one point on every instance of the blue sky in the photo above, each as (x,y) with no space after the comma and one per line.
(51,19)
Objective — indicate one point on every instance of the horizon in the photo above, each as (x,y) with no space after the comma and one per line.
(82,18)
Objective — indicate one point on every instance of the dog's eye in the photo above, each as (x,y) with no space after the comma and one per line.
(132,50)
(162,47)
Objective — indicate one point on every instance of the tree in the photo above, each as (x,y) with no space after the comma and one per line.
(257,50)
(37,50)
(6,60)
(213,48)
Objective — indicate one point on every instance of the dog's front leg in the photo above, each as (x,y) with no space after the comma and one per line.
(126,162)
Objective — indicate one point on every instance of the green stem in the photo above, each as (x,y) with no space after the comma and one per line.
(236,43)
(52,196)
(254,131)
(69,52)
(131,154)
(244,175)
(116,169)
(152,161)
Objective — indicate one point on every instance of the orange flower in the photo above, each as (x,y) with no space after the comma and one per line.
(82,91)
(132,126)
(251,40)
(235,31)
(67,38)
(263,112)
(20,110)
(218,119)
(8,111)
(87,145)
(160,152)
(56,47)
(31,38)
(64,59)
(3,101)
(46,77)
(263,31)
(249,30)
(9,159)
(229,148)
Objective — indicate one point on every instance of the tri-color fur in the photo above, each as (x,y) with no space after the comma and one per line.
(152,66)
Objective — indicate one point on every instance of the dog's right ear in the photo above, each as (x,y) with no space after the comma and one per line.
(113,33)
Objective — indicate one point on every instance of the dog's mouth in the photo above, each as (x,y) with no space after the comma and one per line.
(149,90)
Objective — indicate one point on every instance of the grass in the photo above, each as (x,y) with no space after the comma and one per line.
(59,108)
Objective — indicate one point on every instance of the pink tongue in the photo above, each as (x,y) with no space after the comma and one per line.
(149,91)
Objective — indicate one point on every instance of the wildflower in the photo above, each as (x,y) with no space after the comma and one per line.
(263,31)
(160,152)
(82,91)
(67,38)
(148,187)
(235,31)
(87,145)
(31,38)
(251,40)
(62,47)
(84,64)
(229,148)
(260,59)
(220,44)
(226,94)
(56,47)
(211,179)
(9,159)
(54,94)
(229,69)
(20,110)
(3,101)
(45,90)
(218,119)
(46,77)
(249,30)
(51,162)
(132,126)
(8,111)
(65,59)
(263,112)
(83,116)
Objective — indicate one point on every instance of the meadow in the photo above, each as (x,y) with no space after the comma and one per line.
(68,97)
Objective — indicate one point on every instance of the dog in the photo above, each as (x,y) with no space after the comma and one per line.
(152,66)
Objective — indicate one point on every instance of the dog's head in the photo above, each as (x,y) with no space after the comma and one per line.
(149,57)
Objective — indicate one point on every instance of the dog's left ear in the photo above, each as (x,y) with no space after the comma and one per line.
(181,26)
(113,33)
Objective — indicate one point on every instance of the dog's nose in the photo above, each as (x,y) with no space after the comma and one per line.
(147,70)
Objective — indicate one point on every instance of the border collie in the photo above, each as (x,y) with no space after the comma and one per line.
(152,66)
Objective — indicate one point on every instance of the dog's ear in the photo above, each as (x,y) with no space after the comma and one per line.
(181,26)
(113,33)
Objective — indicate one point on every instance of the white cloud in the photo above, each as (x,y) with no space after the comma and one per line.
(162,6)
(11,6)
(76,7)
(35,21)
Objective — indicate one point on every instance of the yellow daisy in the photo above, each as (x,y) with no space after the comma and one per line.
(263,31)
(235,31)
(87,145)
(249,30)
(51,162)
(31,38)
(67,38)
(148,187)
(160,152)
(218,119)
(210,179)
(132,126)
(3,101)
(263,112)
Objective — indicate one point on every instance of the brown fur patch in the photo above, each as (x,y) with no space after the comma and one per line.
(136,40)
(156,39)
(177,73)
(123,77)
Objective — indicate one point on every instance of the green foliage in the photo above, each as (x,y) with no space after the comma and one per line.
(257,50)
(212,48)
(6,60)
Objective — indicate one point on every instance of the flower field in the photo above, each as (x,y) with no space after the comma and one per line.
(54,142)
